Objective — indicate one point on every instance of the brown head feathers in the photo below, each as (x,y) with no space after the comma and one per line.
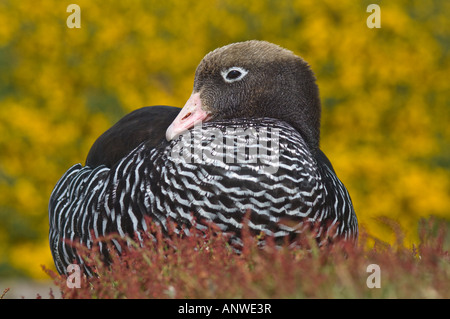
(260,79)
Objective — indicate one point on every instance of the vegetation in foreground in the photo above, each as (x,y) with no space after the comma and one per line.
(205,266)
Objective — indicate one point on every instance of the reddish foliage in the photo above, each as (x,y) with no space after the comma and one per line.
(204,265)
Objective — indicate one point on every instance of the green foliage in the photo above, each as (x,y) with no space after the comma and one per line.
(385,95)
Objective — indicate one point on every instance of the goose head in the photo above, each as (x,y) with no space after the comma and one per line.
(253,79)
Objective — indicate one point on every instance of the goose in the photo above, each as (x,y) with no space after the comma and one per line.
(246,143)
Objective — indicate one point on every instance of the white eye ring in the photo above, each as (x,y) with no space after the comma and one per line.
(233,74)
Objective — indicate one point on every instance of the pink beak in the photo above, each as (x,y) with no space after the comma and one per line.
(191,114)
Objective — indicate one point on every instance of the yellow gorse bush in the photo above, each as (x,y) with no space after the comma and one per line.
(385,95)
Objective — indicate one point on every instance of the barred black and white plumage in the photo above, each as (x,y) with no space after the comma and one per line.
(256,154)
(159,183)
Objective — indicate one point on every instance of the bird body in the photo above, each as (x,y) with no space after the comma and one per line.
(231,152)
(163,184)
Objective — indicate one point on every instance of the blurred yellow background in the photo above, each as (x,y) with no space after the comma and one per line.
(385,95)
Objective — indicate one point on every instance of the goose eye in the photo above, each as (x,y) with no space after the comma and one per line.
(234,74)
